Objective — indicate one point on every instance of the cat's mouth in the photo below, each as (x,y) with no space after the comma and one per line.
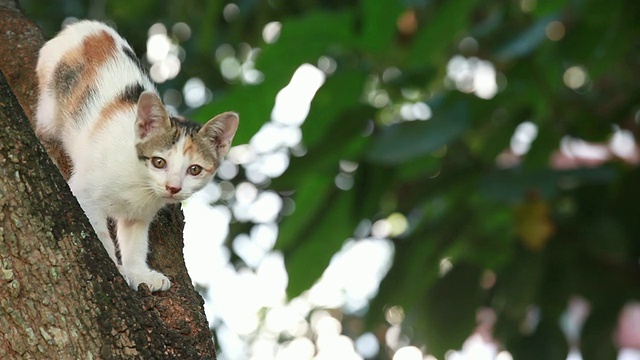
(174,198)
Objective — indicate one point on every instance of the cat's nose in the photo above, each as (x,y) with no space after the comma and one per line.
(173,190)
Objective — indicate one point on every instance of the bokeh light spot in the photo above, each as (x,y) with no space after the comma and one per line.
(445,266)
(528,6)
(195,93)
(394,315)
(158,46)
(271,32)
(523,137)
(555,30)
(230,12)
(294,100)
(408,353)
(181,30)
(575,77)
(399,224)
(157,29)
(367,345)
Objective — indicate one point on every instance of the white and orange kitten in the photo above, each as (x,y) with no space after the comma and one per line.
(129,156)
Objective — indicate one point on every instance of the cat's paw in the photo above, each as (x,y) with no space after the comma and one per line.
(155,280)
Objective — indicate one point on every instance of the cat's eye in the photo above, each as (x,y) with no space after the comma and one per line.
(158,162)
(195,170)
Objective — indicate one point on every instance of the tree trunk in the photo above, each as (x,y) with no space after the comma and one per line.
(61,297)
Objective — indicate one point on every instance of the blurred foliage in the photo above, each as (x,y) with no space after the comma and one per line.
(546,234)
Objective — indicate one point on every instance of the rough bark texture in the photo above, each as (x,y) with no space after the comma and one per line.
(61,296)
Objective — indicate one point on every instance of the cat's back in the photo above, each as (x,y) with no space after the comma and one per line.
(84,69)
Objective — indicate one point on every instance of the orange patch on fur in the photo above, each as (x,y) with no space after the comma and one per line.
(209,170)
(109,112)
(191,148)
(188,146)
(98,48)
(84,62)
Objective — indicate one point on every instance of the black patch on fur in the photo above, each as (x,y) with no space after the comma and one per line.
(185,125)
(176,136)
(87,96)
(65,78)
(141,157)
(113,233)
(132,56)
(132,93)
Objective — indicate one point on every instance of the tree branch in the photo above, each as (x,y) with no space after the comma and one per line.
(54,258)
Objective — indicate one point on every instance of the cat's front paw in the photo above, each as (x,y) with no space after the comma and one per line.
(155,280)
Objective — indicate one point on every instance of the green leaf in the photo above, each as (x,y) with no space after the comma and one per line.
(493,233)
(342,140)
(526,42)
(547,7)
(304,39)
(319,240)
(440,32)
(311,36)
(450,312)
(600,42)
(406,141)
(379,23)
(547,342)
(309,199)
(332,131)
(518,287)
(416,267)
(545,144)
(596,336)
(512,185)
(616,248)
(400,287)
(252,103)
(371,184)
(419,168)
(340,92)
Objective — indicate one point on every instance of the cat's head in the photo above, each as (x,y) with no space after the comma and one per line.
(180,156)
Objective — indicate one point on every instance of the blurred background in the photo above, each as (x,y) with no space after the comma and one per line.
(411,179)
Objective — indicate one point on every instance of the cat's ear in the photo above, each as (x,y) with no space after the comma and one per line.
(220,130)
(152,115)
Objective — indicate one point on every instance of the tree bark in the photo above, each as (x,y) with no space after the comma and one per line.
(61,297)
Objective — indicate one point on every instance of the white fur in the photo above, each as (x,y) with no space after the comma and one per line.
(108,178)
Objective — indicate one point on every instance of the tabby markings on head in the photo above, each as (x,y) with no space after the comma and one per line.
(179,128)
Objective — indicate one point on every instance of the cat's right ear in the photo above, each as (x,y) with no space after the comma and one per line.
(152,115)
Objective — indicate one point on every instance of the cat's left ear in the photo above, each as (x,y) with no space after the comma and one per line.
(220,131)
(152,115)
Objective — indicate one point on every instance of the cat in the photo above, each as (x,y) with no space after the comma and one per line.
(129,156)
